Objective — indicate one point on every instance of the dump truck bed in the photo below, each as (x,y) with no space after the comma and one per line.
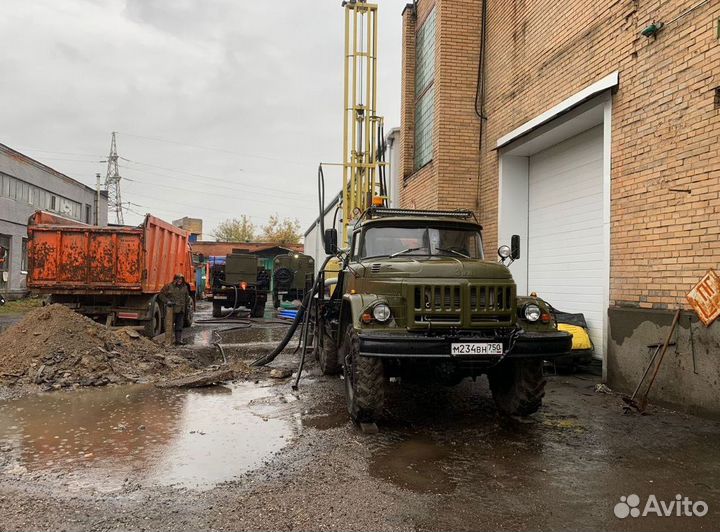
(70,257)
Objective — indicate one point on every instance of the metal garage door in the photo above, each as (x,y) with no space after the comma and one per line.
(565,236)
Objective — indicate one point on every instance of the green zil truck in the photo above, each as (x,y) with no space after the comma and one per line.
(416,299)
(293,277)
(240,283)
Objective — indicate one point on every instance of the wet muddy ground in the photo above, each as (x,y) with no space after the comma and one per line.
(258,455)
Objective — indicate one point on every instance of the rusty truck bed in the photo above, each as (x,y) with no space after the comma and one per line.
(70,257)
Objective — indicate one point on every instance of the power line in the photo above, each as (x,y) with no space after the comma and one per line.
(212,148)
(193,207)
(218,179)
(72,160)
(225,196)
(59,152)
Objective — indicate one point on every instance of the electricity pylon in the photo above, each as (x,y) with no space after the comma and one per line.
(112,183)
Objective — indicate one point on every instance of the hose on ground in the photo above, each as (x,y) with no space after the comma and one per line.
(216,332)
(303,343)
(266,359)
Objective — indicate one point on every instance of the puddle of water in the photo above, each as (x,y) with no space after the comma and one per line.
(257,335)
(329,421)
(141,434)
(417,464)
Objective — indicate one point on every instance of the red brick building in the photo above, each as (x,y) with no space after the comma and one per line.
(590,129)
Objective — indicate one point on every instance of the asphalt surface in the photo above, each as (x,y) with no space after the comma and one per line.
(256,455)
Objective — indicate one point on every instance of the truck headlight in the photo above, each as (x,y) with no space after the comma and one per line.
(504,252)
(381,312)
(531,312)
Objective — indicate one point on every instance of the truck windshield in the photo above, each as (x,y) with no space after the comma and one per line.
(420,241)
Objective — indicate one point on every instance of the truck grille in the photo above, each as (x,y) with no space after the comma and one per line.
(461,305)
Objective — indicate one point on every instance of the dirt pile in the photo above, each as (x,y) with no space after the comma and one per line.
(55,347)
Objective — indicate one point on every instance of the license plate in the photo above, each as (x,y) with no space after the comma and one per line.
(470,349)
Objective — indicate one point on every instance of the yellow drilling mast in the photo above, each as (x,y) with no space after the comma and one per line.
(363,136)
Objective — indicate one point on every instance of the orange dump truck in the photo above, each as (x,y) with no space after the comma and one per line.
(112,274)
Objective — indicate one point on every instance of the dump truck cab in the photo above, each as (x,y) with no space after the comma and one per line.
(417,300)
(241,283)
(293,277)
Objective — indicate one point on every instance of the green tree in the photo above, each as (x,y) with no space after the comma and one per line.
(281,232)
(235,230)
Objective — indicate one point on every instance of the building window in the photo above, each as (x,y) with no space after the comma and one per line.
(21,191)
(88,214)
(425,92)
(24,256)
(4,261)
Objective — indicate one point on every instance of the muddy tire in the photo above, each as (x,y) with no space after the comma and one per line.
(217,310)
(154,326)
(328,356)
(190,313)
(518,386)
(364,380)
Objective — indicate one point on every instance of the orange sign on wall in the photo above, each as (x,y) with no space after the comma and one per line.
(704,298)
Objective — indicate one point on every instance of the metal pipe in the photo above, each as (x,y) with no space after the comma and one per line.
(643,401)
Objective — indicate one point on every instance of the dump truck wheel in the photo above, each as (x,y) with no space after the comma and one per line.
(217,310)
(518,386)
(364,380)
(154,325)
(328,356)
(190,314)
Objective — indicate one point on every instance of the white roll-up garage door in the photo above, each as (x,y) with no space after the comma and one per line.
(565,231)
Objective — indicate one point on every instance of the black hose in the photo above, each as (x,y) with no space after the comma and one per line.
(303,343)
(382,177)
(266,359)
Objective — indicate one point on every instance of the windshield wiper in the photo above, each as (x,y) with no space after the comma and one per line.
(408,250)
(453,251)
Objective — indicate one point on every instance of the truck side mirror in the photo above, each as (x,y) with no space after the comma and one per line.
(330,241)
(515,247)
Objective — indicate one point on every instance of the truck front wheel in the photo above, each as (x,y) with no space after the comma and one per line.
(518,386)
(364,380)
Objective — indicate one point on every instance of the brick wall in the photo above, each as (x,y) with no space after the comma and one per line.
(665,122)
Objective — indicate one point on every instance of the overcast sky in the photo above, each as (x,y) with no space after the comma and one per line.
(259,82)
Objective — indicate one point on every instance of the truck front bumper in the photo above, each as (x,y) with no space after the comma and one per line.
(407,346)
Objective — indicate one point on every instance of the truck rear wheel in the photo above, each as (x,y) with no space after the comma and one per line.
(518,386)
(190,314)
(154,325)
(328,356)
(364,380)
(217,310)
(258,310)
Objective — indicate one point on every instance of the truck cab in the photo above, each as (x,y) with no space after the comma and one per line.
(416,299)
